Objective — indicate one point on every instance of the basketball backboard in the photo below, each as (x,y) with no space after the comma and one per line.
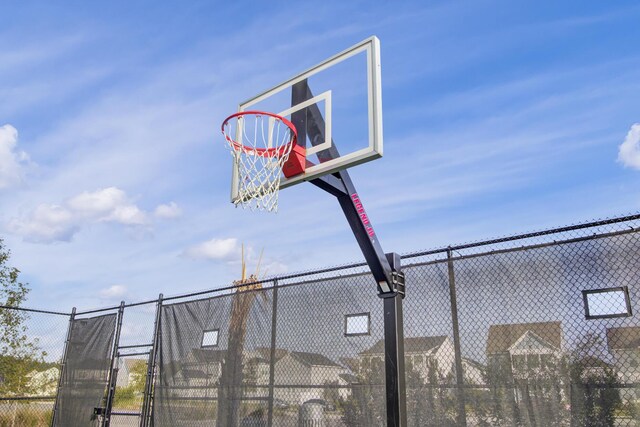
(336,108)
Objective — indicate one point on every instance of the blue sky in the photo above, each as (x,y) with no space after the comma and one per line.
(500,117)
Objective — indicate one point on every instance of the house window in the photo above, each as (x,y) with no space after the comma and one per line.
(519,362)
(357,324)
(606,303)
(533,361)
(210,338)
(366,363)
(546,360)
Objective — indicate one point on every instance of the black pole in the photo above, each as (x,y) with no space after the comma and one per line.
(113,371)
(151,369)
(272,356)
(63,364)
(462,412)
(384,267)
(394,351)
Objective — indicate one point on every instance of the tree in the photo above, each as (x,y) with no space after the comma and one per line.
(230,392)
(18,354)
(365,406)
(595,395)
(129,396)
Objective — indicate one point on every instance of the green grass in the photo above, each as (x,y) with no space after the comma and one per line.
(24,415)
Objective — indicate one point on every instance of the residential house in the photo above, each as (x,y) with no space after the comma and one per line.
(432,357)
(474,372)
(624,345)
(201,368)
(305,370)
(527,350)
(43,383)
(527,359)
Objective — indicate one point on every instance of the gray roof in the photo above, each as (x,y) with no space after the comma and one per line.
(313,359)
(502,337)
(411,345)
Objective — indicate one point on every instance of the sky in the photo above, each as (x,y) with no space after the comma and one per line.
(499,118)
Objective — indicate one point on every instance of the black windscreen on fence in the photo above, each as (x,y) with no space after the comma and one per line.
(527,352)
(219,360)
(200,361)
(85,373)
(533,335)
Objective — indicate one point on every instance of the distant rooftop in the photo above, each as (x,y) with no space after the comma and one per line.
(502,337)
(411,345)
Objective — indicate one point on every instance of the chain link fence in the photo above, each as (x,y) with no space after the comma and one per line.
(533,330)
(31,347)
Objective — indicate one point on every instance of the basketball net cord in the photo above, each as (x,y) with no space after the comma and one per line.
(259,151)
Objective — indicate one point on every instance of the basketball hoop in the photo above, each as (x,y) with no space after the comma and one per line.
(261,149)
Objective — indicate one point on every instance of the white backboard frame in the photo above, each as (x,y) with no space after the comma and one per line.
(373,151)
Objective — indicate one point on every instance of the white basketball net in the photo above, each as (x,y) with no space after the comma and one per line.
(260,147)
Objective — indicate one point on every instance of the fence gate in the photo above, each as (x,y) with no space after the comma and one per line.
(85,370)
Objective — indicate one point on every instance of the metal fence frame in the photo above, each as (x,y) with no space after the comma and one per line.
(447,254)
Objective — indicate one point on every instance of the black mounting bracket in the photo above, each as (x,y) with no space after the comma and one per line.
(397,285)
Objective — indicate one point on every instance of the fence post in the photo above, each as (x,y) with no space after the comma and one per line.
(113,371)
(272,358)
(63,364)
(151,369)
(462,411)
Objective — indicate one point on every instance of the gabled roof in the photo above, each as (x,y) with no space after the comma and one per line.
(502,337)
(623,338)
(411,345)
(592,362)
(529,343)
(313,359)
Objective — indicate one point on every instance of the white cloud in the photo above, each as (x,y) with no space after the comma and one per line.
(168,211)
(50,222)
(108,204)
(46,223)
(214,249)
(12,162)
(629,151)
(114,291)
